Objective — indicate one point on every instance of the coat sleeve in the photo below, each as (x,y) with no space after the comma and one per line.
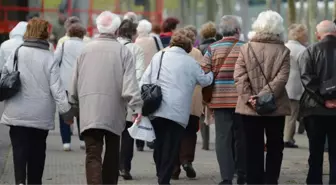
(202,78)
(2,58)
(140,62)
(309,77)
(58,54)
(57,89)
(278,84)
(241,79)
(207,61)
(130,89)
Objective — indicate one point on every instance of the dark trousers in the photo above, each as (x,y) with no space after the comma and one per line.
(205,132)
(29,153)
(126,149)
(318,129)
(255,128)
(188,144)
(230,140)
(97,170)
(167,144)
(66,131)
(140,143)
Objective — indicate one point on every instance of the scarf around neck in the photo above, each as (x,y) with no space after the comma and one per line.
(36,43)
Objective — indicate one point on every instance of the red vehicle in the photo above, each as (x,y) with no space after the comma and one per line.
(13,11)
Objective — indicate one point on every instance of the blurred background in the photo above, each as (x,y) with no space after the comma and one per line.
(194,12)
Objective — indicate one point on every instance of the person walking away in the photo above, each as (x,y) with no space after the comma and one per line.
(156,30)
(297,40)
(132,17)
(71,20)
(150,45)
(168,27)
(30,114)
(318,107)
(66,56)
(208,34)
(263,67)
(178,76)
(15,40)
(58,29)
(127,32)
(102,106)
(186,154)
(220,59)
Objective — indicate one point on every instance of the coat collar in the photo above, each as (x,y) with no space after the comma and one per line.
(267,38)
(177,50)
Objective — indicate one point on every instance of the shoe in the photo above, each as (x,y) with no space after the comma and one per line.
(126,175)
(189,169)
(241,180)
(66,147)
(175,177)
(290,145)
(82,145)
(225,182)
(301,128)
(140,149)
(205,148)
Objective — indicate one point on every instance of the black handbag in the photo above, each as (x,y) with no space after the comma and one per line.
(151,95)
(265,103)
(10,84)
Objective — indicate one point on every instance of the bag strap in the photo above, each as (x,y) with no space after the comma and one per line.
(158,75)
(228,53)
(16,62)
(62,54)
(261,69)
(156,43)
(127,43)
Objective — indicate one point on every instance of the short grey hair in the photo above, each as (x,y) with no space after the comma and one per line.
(326,26)
(230,25)
(108,22)
(131,16)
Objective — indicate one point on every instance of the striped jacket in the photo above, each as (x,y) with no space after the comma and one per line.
(221,59)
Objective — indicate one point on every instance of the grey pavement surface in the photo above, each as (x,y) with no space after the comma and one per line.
(4,143)
(68,167)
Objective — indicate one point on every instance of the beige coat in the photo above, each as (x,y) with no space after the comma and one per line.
(275,61)
(197,99)
(148,45)
(104,82)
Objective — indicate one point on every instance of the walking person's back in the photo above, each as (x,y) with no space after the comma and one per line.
(104,84)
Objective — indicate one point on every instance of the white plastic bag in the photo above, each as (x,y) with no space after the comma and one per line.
(143,130)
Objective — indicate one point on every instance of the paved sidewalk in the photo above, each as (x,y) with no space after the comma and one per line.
(68,167)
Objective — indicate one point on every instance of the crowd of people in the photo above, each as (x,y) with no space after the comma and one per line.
(250,90)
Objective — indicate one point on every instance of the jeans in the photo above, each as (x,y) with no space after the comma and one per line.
(66,131)
(99,171)
(29,153)
(318,129)
(167,144)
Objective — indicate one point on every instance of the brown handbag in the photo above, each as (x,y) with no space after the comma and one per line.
(207,91)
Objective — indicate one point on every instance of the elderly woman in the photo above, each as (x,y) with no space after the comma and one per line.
(149,44)
(168,27)
(189,138)
(179,75)
(31,113)
(263,69)
(66,55)
(15,40)
(297,40)
(127,32)
(104,84)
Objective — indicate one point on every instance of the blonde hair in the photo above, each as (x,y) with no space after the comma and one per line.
(37,28)
(297,31)
(208,30)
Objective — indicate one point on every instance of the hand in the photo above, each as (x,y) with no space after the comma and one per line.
(69,122)
(137,118)
(330,104)
(253,101)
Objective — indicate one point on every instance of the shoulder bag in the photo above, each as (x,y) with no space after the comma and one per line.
(10,84)
(151,95)
(156,43)
(207,91)
(265,104)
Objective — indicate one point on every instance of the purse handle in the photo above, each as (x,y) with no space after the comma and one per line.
(158,75)
(255,56)
(15,62)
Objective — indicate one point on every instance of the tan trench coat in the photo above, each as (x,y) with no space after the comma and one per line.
(104,83)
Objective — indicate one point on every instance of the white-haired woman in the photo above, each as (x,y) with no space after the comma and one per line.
(104,83)
(297,41)
(148,43)
(263,69)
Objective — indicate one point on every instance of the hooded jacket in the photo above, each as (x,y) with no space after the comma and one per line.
(15,40)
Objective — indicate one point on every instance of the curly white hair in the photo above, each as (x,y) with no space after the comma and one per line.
(269,22)
(144,27)
(107,22)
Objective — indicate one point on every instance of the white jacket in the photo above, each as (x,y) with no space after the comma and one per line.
(72,49)
(34,105)
(179,75)
(15,40)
